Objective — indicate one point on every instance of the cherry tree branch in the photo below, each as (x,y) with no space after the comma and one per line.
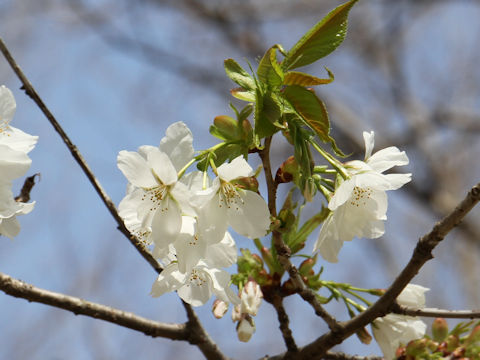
(282,315)
(421,254)
(30,91)
(283,251)
(330,355)
(206,345)
(20,289)
(432,312)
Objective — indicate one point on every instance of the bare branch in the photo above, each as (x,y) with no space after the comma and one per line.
(283,251)
(30,91)
(421,254)
(199,337)
(329,356)
(20,289)
(282,315)
(432,312)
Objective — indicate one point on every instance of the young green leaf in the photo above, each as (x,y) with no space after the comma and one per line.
(242,94)
(235,72)
(321,39)
(269,71)
(311,109)
(302,79)
(267,112)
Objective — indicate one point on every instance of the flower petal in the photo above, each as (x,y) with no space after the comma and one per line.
(162,166)
(342,194)
(17,140)
(249,217)
(7,105)
(166,223)
(387,158)
(237,168)
(223,254)
(13,164)
(177,144)
(369,138)
(136,169)
(170,279)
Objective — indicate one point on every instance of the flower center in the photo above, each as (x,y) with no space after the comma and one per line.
(156,196)
(196,278)
(4,127)
(360,196)
(229,196)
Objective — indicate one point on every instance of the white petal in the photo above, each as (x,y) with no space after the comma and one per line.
(9,227)
(387,158)
(170,279)
(7,105)
(190,247)
(413,296)
(166,223)
(197,289)
(249,217)
(17,140)
(13,164)
(223,254)
(236,169)
(162,166)
(212,221)
(369,142)
(221,288)
(194,181)
(342,194)
(328,242)
(177,144)
(202,197)
(136,169)
(182,195)
(397,180)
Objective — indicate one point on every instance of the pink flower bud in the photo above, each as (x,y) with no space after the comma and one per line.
(237,313)
(251,298)
(219,308)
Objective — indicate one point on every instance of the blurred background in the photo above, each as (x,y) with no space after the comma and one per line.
(117,73)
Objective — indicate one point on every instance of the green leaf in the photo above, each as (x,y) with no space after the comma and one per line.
(302,79)
(311,109)
(321,39)
(242,94)
(269,71)
(267,112)
(235,72)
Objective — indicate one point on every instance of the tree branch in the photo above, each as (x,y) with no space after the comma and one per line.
(421,254)
(283,251)
(27,187)
(30,91)
(282,315)
(20,289)
(432,312)
(199,337)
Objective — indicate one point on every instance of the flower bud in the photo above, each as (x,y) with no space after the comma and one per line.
(306,267)
(439,329)
(416,347)
(219,308)
(251,298)
(474,336)
(245,329)
(452,342)
(237,313)
(247,183)
(226,126)
(287,171)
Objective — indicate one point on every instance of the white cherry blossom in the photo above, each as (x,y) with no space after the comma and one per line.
(225,204)
(155,195)
(359,204)
(393,330)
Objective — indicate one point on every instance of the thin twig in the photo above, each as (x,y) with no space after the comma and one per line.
(282,315)
(421,254)
(432,312)
(199,337)
(30,91)
(20,289)
(283,251)
(329,355)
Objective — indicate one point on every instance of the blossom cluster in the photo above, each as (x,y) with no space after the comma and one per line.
(14,163)
(359,203)
(185,216)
